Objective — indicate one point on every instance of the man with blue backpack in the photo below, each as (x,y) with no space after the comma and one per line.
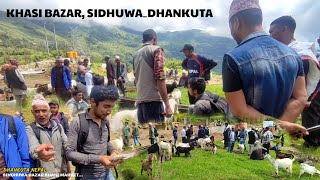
(14,151)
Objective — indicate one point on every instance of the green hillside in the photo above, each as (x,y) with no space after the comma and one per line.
(25,38)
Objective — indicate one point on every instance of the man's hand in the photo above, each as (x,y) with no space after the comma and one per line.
(168,111)
(294,130)
(106,161)
(45,152)
(115,152)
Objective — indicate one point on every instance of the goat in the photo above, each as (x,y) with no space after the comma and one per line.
(285,163)
(165,150)
(185,150)
(171,87)
(281,155)
(241,148)
(1,91)
(201,143)
(214,148)
(305,168)
(117,144)
(173,102)
(117,121)
(147,164)
(153,149)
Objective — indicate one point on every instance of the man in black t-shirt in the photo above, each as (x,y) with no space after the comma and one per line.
(252,139)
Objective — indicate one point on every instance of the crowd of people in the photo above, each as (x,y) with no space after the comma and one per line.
(264,78)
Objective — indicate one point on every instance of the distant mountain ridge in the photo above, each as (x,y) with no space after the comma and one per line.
(97,40)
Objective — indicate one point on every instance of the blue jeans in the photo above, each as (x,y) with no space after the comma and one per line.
(109,176)
(231,146)
(136,140)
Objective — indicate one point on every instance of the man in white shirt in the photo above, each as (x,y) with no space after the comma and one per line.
(267,137)
(184,135)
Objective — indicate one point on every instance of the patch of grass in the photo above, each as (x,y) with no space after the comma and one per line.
(204,165)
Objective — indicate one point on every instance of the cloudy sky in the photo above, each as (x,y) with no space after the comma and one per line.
(305,12)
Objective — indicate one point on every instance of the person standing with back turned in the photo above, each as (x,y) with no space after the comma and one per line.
(148,65)
(262,78)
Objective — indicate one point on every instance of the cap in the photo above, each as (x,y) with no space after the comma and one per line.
(53,102)
(117,57)
(188,47)
(148,35)
(59,58)
(107,57)
(240,5)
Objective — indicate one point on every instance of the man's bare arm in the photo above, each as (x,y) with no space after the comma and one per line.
(240,109)
(297,103)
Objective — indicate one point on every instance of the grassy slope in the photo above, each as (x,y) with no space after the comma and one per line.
(204,165)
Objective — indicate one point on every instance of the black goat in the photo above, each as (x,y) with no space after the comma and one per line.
(185,150)
(171,87)
(153,149)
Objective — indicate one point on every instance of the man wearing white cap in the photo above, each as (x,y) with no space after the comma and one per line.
(47,140)
(262,78)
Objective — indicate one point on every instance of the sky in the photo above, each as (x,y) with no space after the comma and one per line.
(305,12)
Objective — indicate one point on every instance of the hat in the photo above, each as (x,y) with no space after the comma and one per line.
(39,100)
(150,123)
(59,58)
(188,47)
(117,57)
(13,59)
(53,102)
(240,5)
(107,57)
(148,35)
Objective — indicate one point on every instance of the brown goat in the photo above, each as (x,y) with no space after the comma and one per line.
(281,155)
(147,164)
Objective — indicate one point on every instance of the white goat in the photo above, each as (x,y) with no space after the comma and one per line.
(116,123)
(285,163)
(305,168)
(173,102)
(117,144)
(165,150)
(201,143)
(241,148)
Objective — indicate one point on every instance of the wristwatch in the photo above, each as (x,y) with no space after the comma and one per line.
(35,153)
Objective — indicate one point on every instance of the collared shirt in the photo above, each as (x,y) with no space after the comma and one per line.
(75,107)
(49,129)
(159,58)
(96,145)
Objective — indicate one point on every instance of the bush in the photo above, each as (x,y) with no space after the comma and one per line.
(173,63)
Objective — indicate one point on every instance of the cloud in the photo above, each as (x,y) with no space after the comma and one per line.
(305,12)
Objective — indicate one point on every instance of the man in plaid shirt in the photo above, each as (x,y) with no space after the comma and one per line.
(267,137)
(148,65)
